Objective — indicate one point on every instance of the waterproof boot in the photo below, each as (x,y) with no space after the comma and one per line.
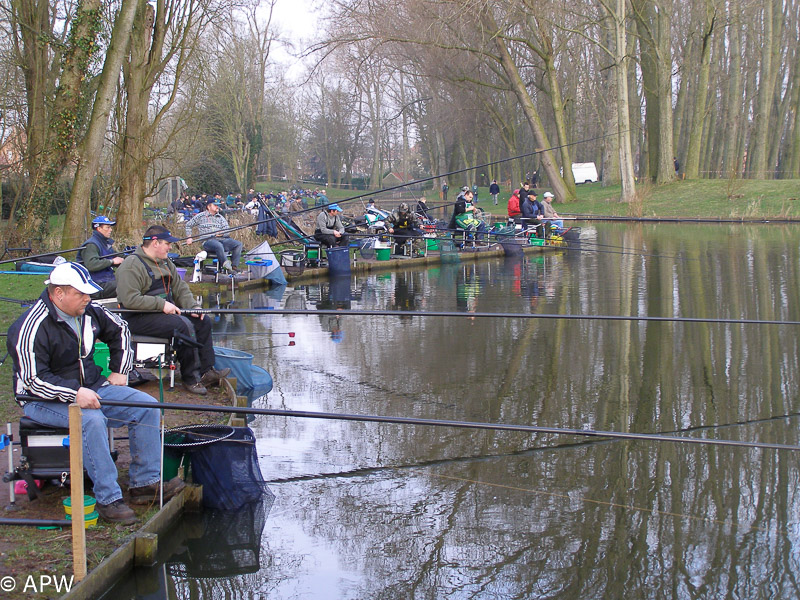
(213,376)
(149,493)
(116,512)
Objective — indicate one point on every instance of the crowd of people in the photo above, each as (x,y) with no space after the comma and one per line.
(282,202)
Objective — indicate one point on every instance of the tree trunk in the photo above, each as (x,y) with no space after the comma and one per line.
(68,103)
(136,138)
(730,157)
(532,116)
(561,127)
(759,169)
(691,165)
(90,150)
(623,123)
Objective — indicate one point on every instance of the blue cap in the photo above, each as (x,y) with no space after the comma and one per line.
(164,235)
(334,207)
(102,220)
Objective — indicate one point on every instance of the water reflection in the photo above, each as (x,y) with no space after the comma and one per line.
(387,511)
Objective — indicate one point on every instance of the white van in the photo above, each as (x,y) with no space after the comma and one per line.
(584,172)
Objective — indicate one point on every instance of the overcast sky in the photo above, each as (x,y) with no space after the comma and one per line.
(299,21)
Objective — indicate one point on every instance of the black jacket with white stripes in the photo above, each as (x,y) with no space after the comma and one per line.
(52,363)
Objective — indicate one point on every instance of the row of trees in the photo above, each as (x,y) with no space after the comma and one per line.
(135,91)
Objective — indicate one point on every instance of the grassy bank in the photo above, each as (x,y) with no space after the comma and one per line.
(19,287)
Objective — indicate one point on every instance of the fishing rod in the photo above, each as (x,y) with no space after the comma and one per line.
(24,258)
(653,437)
(470,315)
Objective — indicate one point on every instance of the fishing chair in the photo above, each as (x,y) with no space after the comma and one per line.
(313,252)
(149,352)
(44,453)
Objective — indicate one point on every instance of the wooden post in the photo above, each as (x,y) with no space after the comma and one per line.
(76,485)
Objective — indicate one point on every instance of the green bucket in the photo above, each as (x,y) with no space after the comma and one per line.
(433,244)
(383,253)
(175,457)
(102,356)
(312,254)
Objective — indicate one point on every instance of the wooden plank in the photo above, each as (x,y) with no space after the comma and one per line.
(76,485)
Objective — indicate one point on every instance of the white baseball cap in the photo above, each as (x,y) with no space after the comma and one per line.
(548,195)
(74,275)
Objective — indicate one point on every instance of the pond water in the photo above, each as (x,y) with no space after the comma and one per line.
(365,510)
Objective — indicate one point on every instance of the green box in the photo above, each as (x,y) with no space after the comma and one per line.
(538,242)
(312,254)
(102,356)
(433,244)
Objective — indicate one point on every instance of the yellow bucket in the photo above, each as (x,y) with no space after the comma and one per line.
(90,520)
(88,505)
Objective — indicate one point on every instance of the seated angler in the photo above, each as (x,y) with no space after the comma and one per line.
(213,227)
(98,256)
(551,216)
(329,228)
(464,214)
(403,224)
(52,346)
(533,213)
(149,281)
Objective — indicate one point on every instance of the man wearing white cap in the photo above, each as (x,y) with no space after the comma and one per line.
(52,346)
(550,215)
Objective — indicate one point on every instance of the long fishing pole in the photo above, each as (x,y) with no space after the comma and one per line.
(455,314)
(452,423)
(24,258)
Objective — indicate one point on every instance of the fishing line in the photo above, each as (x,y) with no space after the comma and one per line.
(610,504)
(469,315)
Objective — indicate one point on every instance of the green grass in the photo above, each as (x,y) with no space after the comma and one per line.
(19,287)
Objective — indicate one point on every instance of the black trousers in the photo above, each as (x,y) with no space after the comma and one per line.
(194,361)
(329,240)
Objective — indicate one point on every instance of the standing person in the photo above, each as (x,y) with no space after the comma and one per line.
(676,164)
(534,179)
(98,256)
(211,223)
(524,190)
(475,192)
(550,215)
(330,230)
(494,190)
(149,281)
(52,346)
(445,187)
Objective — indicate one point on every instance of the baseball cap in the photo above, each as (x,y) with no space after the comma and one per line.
(548,195)
(102,220)
(211,200)
(74,275)
(164,235)
(334,207)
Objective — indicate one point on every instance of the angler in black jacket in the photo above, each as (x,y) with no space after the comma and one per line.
(52,346)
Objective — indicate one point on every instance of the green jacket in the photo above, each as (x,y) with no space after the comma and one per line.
(133,283)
